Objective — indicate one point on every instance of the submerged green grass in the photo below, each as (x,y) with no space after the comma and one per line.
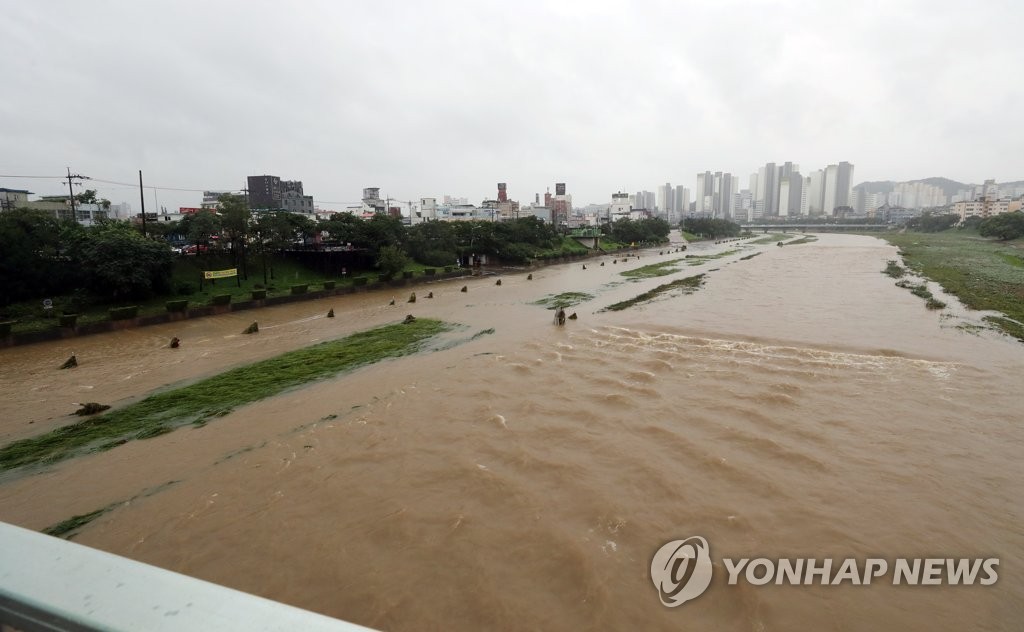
(69,528)
(983,273)
(689,285)
(653,270)
(565,299)
(769,239)
(894,269)
(219,395)
(1008,326)
(696,260)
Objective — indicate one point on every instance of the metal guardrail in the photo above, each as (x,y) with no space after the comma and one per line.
(51,584)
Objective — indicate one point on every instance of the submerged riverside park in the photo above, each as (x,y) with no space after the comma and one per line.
(790,402)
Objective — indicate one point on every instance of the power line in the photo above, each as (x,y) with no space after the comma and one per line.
(41,177)
(132,185)
(150,186)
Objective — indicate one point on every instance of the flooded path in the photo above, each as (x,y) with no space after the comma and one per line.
(797,405)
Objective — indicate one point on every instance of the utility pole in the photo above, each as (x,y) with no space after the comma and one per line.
(71,192)
(142,199)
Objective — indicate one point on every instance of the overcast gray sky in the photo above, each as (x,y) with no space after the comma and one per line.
(434,98)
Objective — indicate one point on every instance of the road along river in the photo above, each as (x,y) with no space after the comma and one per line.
(797,405)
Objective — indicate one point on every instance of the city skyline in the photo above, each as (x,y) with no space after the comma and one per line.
(452,98)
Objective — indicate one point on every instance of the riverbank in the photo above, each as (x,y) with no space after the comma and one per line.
(231,297)
(983,273)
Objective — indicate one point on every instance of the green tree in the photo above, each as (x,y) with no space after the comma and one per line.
(159,229)
(31,264)
(273,231)
(117,263)
(235,220)
(301,226)
(383,230)
(87,197)
(391,260)
(1004,226)
(432,243)
(929,223)
(711,228)
(201,226)
(345,228)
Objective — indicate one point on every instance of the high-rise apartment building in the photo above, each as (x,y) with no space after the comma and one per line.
(816,193)
(767,196)
(805,197)
(682,201)
(666,195)
(724,188)
(789,202)
(645,200)
(831,185)
(704,193)
(844,183)
(713,195)
(784,197)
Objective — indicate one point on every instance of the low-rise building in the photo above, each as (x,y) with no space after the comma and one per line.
(211,199)
(13,198)
(985,207)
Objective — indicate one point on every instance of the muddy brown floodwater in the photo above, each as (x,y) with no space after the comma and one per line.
(798,405)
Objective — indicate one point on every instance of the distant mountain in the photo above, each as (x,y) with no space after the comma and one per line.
(949,187)
(876,186)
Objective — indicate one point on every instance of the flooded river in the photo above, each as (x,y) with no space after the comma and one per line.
(798,405)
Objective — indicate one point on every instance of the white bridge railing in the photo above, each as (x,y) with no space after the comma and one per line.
(51,584)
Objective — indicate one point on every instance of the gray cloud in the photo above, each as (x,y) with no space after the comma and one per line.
(426,99)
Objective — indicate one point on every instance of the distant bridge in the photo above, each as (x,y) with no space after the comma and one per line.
(782,228)
(589,237)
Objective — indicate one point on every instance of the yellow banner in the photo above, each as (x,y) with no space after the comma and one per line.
(220,274)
